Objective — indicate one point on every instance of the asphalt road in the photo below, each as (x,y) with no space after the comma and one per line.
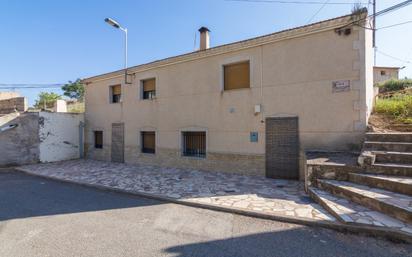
(40,217)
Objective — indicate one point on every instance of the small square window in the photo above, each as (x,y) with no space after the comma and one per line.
(383,73)
(98,139)
(236,75)
(194,144)
(149,88)
(115,93)
(148,141)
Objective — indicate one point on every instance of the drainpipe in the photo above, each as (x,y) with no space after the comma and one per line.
(81,139)
(261,85)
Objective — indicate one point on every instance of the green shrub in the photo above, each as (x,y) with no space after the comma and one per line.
(395,85)
(398,106)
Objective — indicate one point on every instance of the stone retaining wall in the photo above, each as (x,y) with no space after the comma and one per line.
(19,145)
(328,171)
(12,105)
(8,95)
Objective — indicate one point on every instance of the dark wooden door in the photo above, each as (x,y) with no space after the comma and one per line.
(117,150)
(282,148)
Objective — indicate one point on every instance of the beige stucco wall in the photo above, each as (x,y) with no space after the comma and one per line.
(288,77)
(59,136)
(368,72)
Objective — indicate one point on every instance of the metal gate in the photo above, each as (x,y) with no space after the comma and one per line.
(282,148)
(117,150)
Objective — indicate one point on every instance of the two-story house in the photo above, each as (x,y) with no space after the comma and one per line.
(248,107)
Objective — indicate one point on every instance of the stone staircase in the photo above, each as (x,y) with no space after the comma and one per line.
(378,193)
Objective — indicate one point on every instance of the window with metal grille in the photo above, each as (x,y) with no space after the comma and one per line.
(194,144)
(115,93)
(149,88)
(98,139)
(148,141)
(236,75)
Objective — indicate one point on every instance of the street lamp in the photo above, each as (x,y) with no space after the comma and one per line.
(115,24)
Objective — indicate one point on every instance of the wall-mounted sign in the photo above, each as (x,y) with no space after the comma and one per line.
(254,136)
(340,86)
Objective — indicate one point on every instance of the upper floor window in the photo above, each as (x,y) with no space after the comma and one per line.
(149,88)
(98,139)
(115,93)
(236,75)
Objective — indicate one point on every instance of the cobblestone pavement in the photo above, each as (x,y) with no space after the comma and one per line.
(268,196)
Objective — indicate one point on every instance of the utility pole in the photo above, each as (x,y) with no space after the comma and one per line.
(374,32)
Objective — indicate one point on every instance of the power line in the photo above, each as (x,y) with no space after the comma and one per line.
(318,11)
(29,86)
(296,2)
(393,8)
(382,12)
(14,88)
(394,25)
(393,57)
(32,85)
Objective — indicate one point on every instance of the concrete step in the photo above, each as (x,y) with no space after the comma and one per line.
(390,169)
(349,212)
(402,185)
(393,204)
(389,137)
(393,157)
(387,146)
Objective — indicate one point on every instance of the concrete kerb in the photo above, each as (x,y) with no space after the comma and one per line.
(8,168)
(392,235)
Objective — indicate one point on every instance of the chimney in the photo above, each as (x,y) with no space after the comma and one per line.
(204,38)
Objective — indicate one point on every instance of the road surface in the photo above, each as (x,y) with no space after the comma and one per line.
(39,217)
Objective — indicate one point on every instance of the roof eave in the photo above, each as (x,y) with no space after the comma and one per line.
(252,42)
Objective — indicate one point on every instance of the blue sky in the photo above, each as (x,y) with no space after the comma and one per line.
(49,41)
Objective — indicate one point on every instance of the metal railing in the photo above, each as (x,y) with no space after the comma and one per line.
(194,144)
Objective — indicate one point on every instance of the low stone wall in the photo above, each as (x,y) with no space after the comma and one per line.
(19,145)
(328,171)
(38,137)
(12,105)
(8,95)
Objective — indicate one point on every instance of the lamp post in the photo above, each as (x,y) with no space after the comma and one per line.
(115,24)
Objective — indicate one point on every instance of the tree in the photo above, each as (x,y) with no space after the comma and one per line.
(74,90)
(46,100)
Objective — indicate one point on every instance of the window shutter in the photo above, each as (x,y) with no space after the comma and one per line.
(149,140)
(149,85)
(236,76)
(116,90)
